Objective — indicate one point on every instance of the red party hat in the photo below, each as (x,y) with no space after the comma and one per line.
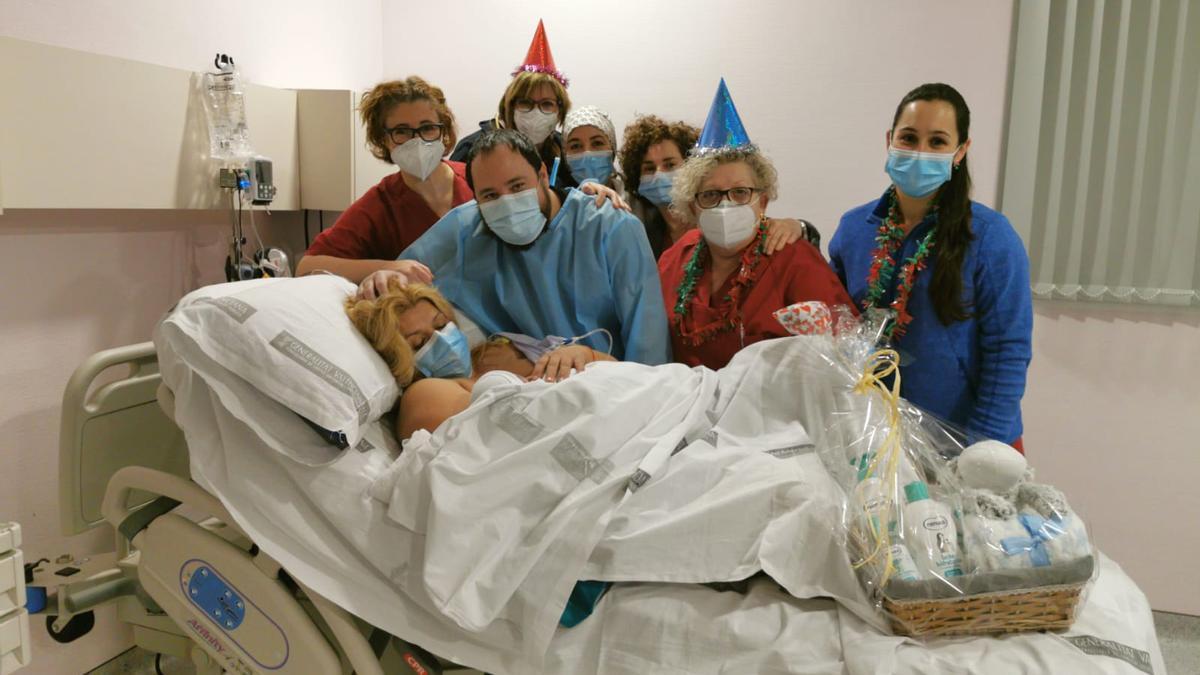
(539,59)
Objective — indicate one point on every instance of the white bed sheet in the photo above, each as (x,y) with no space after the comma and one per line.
(323,526)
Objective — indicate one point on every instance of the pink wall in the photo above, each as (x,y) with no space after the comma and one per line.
(76,282)
(1112,416)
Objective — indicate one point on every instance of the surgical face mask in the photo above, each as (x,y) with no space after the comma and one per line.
(918,174)
(515,218)
(535,124)
(594,165)
(657,187)
(445,354)
(418,157)
(728,226)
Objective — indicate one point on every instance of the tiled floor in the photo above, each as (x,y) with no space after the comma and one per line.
(1179,636)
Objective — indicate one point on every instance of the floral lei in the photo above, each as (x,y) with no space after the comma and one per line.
(888,241)
(730,311)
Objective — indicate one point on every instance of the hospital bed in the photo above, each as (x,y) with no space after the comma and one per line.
(178,579)
(192,580)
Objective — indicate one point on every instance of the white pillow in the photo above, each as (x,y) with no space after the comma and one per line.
(291,340)
(467,325)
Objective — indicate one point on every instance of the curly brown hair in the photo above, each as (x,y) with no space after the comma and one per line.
(377,103)
(646,131)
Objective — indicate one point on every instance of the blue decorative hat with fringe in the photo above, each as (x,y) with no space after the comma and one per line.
(723,130)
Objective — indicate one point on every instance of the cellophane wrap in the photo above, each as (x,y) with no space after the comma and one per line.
(914,528)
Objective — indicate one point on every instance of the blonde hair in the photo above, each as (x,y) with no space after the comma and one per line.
(522,86)
(378,321)
(377,103)
(696,168)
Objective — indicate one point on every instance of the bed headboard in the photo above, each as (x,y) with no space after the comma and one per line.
(111,420)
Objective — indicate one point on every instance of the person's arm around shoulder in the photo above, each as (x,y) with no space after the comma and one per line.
(638,292)
(1003,307)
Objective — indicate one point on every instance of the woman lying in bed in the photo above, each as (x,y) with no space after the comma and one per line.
(412,327)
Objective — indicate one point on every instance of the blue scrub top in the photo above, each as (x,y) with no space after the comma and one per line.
(591,268)
(970,373)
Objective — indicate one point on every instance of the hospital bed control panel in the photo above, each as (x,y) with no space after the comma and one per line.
(15,648)
(231,617)
(212,595)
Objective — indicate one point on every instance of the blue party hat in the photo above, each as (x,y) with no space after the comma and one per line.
(723,129)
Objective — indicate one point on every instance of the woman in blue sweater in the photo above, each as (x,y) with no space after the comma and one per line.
(955,272)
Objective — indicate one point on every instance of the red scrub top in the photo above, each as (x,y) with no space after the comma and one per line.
(794,274)
(385,220)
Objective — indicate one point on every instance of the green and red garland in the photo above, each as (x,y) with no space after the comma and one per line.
(729,315)
(888,242)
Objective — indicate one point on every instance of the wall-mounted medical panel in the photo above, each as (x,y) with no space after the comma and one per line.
(86,131)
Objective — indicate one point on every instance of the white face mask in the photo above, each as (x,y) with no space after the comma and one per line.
(535,124)
(417,157)
(728,226)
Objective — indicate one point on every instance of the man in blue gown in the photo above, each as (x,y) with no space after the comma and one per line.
(525,258)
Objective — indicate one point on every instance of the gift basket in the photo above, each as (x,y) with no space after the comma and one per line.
(948,538)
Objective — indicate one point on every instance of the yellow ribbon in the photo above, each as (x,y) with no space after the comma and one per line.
(878,367)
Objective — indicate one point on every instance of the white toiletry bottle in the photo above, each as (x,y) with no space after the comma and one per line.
(930,533)
(876,505)
(903,566)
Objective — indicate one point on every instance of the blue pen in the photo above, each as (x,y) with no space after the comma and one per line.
(554,172)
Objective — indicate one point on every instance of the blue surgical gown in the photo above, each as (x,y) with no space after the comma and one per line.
(591,268)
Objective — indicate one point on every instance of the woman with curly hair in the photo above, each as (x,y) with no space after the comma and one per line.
(653,150)
(408,124)
(720,286)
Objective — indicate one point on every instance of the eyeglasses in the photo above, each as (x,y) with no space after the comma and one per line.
(709,199)
(427,132)
(546,105)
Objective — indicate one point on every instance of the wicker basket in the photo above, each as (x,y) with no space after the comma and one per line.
(1036,609)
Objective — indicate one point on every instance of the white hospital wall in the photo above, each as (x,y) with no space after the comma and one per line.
(1111,406)
(76,282)
(816,83)
(314,44)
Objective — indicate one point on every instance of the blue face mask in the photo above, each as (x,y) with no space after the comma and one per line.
(594,165)
(515,218)
(918,174)
(657,188)
(445,354)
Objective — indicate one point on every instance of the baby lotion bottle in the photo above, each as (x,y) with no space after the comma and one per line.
(930,533)
(903,565)
(875,505)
